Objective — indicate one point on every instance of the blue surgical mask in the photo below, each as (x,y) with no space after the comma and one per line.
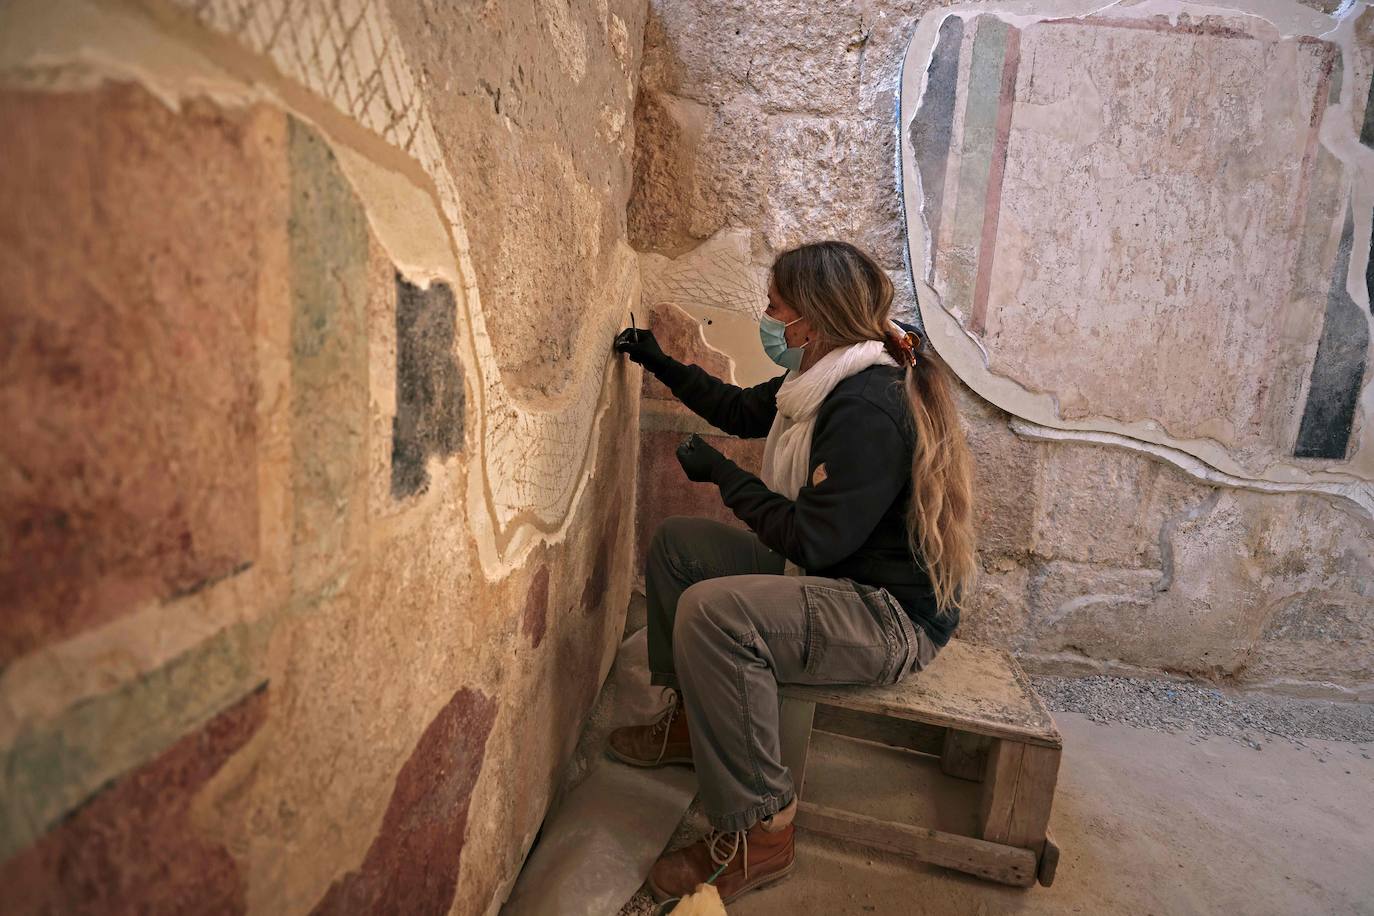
(775,342)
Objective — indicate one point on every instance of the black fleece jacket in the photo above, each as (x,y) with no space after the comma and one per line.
(849,521)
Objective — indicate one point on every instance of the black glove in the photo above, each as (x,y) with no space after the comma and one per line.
(698,458)
(640,346)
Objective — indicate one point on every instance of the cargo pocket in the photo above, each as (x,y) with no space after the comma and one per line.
(850,636)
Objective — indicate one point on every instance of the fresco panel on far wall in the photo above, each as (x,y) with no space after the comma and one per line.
(1129,223)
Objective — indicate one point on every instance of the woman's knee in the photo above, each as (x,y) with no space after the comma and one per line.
(703,615)
(692,622)
(670,536)
(673,534)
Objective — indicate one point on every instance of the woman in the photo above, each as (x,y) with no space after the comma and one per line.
(860,545)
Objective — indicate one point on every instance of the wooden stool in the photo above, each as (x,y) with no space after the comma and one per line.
(972,707)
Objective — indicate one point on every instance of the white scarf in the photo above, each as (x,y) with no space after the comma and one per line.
(787,453)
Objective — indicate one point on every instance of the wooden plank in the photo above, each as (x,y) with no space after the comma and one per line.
(1018,791)
(972,688)
(794,737)
(1049,862)
(999,790)
(1030,813)
(914,736)
(993,861)
(964,754)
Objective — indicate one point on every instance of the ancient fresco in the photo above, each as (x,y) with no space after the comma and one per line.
(532,452)
(1152,223)
(294,531)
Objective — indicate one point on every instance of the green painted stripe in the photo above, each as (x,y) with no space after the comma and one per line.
(49,771)
(976,150)
(329,377)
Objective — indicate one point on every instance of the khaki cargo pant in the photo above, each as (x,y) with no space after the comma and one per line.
(726,628)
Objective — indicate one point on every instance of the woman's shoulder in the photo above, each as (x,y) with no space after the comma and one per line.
(878,389)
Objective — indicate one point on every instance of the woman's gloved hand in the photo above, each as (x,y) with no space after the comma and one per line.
(698,458)
(640,346)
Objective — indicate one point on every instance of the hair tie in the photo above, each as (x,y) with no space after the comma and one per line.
(903,346)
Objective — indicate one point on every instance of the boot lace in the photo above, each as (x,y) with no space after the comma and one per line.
(724,845)
(665,721)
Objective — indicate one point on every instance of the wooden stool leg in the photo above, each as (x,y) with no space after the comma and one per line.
(1018,789)
(794,734)
(1049,861)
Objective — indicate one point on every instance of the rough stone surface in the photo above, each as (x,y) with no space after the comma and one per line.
(667,132)
(539,145)
(1091,556)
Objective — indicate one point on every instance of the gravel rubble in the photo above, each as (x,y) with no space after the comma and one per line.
(1206,711)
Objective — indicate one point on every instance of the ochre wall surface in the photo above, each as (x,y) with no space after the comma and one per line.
(772,123)
(319,475)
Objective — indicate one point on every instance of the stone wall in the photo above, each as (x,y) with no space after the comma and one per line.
(765,124)
(313,553)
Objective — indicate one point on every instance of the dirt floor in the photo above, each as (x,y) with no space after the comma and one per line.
(1149,822)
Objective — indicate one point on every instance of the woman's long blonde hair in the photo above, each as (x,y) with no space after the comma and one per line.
(847,298)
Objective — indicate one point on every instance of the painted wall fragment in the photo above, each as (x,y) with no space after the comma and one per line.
(272,302)
(1108,243)
(413,863)
(429,384)
(93,528)
(110,856)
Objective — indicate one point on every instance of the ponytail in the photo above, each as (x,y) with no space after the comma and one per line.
(940,517)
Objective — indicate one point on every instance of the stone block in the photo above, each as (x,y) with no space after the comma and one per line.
(733,171)
(1110,613)
(1316,636)
(1107,506)
(817,162)
(668,132)
(129,246)
(787,55)
(996,611)
(1006,481)
(1256,586)
(889,26)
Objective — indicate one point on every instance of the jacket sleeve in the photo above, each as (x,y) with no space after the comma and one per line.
(744,412)
(867,462)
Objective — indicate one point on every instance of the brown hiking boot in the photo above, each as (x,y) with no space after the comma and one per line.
(746,860)
(658,744)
